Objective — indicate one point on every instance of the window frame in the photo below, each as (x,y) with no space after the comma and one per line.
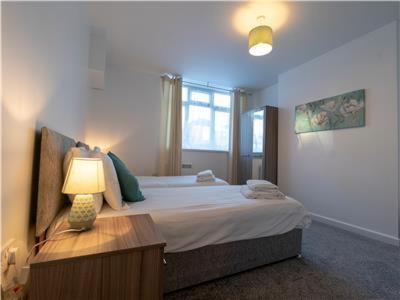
(213,108)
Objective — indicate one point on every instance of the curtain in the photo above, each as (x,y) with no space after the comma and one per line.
(171,126)
(239,106)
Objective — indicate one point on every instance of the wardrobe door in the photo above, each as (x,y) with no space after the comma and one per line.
(246,144)
(258,138)
(271,145)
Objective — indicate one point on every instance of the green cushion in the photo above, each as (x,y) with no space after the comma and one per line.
(127,181)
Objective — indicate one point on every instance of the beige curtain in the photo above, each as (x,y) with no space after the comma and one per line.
(239,106)
(171,126)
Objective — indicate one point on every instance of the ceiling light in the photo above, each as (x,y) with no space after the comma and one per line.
(260,39)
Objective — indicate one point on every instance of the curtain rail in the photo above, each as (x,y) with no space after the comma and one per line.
(207,86)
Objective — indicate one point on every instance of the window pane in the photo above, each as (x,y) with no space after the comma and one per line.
(183,118)
(197,133)
(223,100)
(258,131)
(199,114)
(222,122)
(184,94)
(205,124)
(200,96)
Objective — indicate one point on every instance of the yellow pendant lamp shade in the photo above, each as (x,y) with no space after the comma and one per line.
(260,40)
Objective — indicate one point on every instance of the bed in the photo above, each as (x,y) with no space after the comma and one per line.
(250,233)
(175,181)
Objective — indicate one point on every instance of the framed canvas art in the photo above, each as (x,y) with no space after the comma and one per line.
(338,112)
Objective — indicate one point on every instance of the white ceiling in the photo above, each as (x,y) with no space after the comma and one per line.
(207,41)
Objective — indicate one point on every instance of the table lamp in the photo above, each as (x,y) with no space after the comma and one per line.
(85,177)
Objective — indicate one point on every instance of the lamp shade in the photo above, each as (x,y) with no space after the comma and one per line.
(84,176)
(260,40)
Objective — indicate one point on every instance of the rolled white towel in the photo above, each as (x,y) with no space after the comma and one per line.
(205,173)
(205,178)
(260,185)
(271,195)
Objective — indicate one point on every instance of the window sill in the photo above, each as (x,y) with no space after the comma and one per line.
(204,150)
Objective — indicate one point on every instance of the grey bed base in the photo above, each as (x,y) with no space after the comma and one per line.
(184,269)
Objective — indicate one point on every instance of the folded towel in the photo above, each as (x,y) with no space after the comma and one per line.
(261,185)
(205,178)
(271,195)
(205,173)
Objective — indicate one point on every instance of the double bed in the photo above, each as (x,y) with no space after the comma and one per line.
(211,231)
(175,181)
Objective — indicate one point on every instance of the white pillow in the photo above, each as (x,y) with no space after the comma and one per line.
(112,194)
(81,152)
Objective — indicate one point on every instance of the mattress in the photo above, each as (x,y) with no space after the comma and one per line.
(193,217)
(175,181)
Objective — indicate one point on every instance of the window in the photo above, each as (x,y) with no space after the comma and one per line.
(258,131)
(205,118)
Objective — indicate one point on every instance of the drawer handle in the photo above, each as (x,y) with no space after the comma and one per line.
(164,261)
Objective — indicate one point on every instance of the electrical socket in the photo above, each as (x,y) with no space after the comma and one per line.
(5,255)
(12,255)
(4,261)
(9,277)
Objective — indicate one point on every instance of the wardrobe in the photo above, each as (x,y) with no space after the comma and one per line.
(259,145)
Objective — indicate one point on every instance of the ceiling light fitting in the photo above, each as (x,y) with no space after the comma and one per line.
(260,39)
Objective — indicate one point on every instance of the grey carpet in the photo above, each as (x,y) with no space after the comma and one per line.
(336,264)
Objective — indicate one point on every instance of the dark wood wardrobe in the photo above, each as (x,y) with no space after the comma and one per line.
(259,145)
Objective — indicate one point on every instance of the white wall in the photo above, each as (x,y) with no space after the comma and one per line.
(97,59)
(268,96)
(45,61)
(349,176)
(203,160)
(125,117)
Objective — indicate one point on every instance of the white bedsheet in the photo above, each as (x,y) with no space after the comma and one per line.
(175,181)
(193,217)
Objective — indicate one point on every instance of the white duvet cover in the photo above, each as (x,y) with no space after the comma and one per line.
(193,217)
(175,181)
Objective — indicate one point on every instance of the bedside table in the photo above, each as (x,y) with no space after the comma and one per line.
(119,258)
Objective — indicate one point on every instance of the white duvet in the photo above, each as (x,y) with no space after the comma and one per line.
(193,217)
(175,181)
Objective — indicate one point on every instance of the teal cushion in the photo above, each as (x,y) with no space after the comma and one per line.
(127,181)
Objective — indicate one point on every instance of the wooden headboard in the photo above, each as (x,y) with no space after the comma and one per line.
(53,148)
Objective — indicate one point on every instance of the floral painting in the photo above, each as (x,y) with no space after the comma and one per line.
(342,111)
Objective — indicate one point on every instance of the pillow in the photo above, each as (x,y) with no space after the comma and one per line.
(112,194)
(81,152)
(127,181)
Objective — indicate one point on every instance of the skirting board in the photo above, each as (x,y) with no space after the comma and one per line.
(357,229)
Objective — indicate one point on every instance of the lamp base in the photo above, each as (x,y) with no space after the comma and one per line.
(82,214)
